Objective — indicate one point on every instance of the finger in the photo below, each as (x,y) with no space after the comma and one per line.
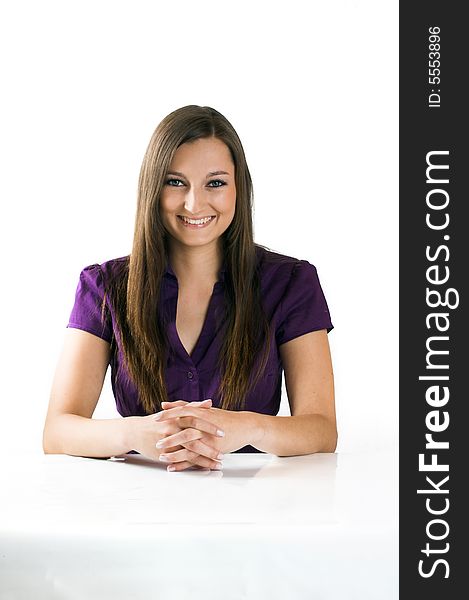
(190,439)
(200,468)
(189,423)
(204,403)
(181,466)
(188,465)
(165,404)
(187,455)
(178,456)
(174,403)
(200,447)
(173,448)
(188,409)
(184,435)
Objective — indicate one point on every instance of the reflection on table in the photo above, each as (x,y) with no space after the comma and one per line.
(320,526)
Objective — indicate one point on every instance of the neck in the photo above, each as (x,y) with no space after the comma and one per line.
(196,265)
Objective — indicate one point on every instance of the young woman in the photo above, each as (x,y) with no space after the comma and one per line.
(197,323)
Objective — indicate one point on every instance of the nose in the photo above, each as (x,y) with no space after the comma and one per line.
(194,201)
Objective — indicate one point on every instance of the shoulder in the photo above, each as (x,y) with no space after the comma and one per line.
(274,264)
(104,272)
(109,266)
(292,291)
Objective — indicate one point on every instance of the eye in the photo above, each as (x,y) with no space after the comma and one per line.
(169,180)
(217,181)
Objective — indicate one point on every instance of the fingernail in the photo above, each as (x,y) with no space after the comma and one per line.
(220,456)
(164,458)
(218,467)
(171,468)
(220,433)
(159,444)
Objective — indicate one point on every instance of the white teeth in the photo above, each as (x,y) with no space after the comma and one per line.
(197,221)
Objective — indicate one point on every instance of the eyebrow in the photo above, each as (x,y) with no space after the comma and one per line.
(208,174)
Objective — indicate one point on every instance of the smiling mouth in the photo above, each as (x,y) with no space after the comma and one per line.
(196,222)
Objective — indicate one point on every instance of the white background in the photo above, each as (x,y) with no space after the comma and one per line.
(310,87)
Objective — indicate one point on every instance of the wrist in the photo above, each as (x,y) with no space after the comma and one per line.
(127,433)
(254,424)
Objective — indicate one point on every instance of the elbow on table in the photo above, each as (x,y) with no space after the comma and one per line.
(49,445)
(330,437)
(331,445)
(46,445)
(328,440)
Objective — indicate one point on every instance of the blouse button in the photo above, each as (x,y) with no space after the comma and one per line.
(190,375)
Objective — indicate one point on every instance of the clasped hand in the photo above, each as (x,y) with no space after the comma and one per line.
(193,434)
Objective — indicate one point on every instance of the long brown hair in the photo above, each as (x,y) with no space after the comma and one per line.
(134,292)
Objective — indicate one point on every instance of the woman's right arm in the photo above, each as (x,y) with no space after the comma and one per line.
(76,387)
(77,384)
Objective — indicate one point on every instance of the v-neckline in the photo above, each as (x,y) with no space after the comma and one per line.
(196,347)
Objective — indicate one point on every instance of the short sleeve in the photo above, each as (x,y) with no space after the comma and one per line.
(87,311)
(303,307)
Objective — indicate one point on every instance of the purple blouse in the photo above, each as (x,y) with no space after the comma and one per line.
(293,300)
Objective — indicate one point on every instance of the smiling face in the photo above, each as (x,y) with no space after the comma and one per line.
(198,198)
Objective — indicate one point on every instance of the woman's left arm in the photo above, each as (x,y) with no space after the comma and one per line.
(310,387)
(309,381)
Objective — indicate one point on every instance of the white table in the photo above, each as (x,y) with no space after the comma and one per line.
(313,527)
